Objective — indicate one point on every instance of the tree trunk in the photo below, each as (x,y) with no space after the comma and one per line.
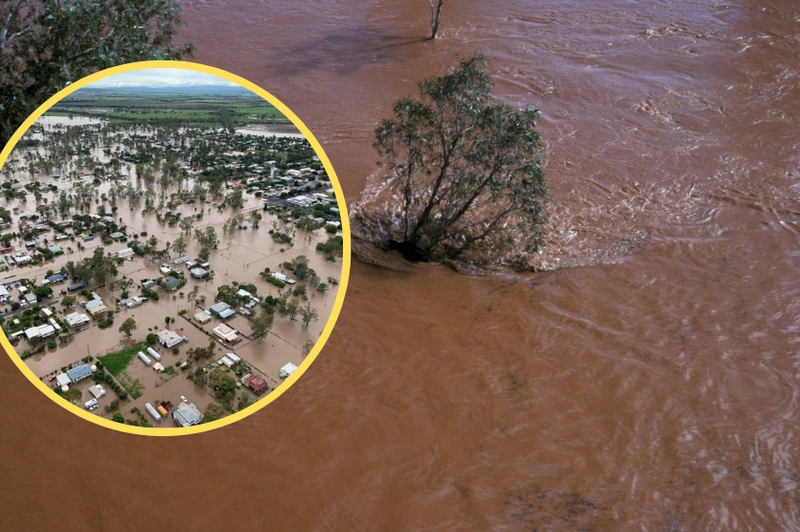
(436,11)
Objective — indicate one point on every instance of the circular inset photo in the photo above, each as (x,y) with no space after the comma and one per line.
(175,248)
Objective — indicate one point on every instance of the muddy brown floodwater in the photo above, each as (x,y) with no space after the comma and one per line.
(649,383)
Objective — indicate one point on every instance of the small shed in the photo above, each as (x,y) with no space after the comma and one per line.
(287,370)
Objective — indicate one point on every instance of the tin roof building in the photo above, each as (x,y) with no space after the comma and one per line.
(187,415)
(203,317)
(76,319)
(222,310)
(42,331)
(169,338)
(228,334)
(79,373)
(230,360)
(256,383)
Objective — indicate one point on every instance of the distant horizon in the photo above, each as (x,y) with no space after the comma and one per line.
(164,89)
(155,78)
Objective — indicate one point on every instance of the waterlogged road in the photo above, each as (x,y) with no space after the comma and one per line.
(649,383)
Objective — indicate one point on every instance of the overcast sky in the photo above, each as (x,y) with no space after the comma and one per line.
(161,77)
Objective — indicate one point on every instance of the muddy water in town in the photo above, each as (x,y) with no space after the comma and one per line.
(240,257)
(650,383)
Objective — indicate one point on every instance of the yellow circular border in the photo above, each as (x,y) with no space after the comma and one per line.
(337,306)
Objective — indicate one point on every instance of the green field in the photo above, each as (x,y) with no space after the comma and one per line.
(242,108)
(116,362)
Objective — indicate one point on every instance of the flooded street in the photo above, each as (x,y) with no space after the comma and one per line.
(648,380)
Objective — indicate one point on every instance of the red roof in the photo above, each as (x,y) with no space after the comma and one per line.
(257,383)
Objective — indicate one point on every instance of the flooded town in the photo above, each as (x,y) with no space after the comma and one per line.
(168,259)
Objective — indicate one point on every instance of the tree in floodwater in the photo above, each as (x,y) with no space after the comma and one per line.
(436,13)
(462,180)
(180,245)
(47,44)
(207,237)
(213,412)
(99,266)
(308,314)
(262,324)
(127,327)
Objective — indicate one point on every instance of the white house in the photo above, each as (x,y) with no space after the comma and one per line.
(299,201)
(203,317)
(228,334)
(95,307)
(169,338)
(76,319)
(230,360)
(42,331)
(198,273)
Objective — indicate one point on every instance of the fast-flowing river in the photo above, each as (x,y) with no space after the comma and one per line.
(648,382)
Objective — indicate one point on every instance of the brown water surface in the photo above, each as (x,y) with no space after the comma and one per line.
(649,383)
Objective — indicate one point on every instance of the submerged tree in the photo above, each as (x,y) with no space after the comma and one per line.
(127,327)
(308,314)
(436,13)
(47,44)
(99,266)
(179,246)
(462,174)
(213,412)
(262,324)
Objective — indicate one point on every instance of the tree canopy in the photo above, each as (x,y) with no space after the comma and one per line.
(47,44)
(127,327)
(99,266)
(461,176)
(262,324)
(213,412)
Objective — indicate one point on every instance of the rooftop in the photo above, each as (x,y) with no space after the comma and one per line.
(79,372)
(76,318)
(170,338)
(257,383)
(42,331)
(187,415)
(172,282)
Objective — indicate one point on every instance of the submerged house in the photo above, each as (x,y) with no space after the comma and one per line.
(79,373)
(170,339)
(173,283)
(256,383)
(187,415)
(40,332)
(203,317)
(222,310)
(96,307)
(76,319)
(227,334)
